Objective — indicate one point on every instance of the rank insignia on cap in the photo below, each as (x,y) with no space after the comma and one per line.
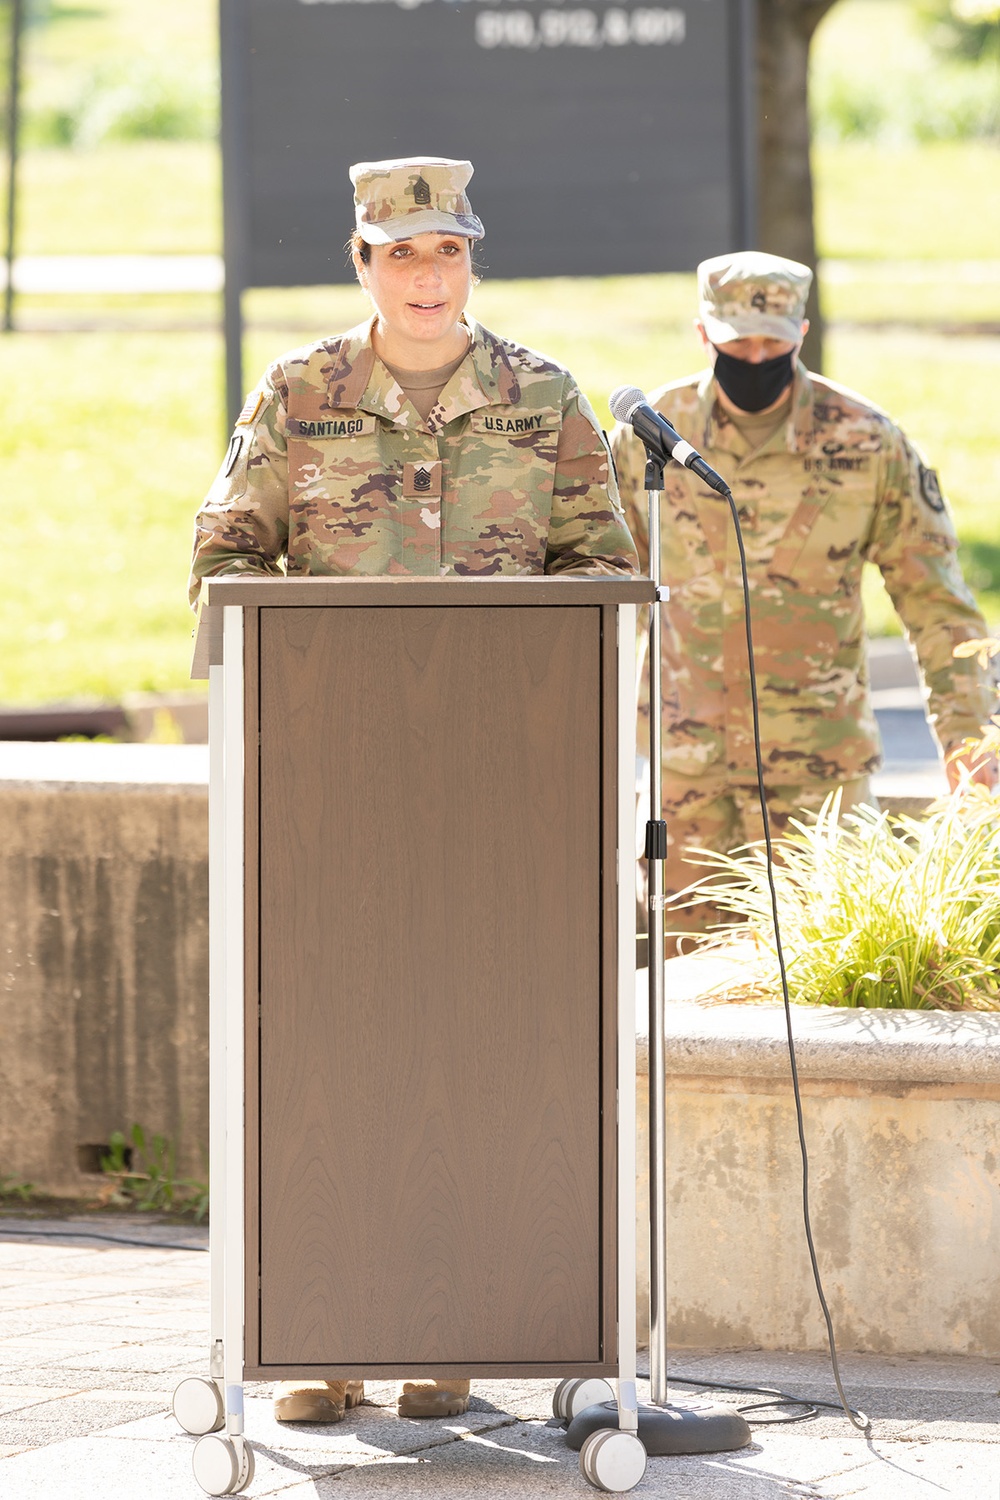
(421,480)
(931,489)
(251,407)
(421,192)
(759,301)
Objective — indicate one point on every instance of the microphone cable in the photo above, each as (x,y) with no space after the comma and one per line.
(8,1234)
(857,1418)
(662,442)
(782,1398)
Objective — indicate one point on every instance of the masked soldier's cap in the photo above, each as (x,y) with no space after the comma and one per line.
(420,195)
(751,293)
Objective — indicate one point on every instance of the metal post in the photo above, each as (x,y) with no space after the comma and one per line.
(233,333)
(655,854)
(627,1396)
(233,136)
(13,130)
(743,123)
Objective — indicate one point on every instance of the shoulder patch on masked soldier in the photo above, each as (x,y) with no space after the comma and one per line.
(251,407)
(931,489)
(514,423)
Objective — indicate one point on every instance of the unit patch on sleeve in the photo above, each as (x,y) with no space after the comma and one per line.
(332,427)
(232,453)
(422,481)
(931,489)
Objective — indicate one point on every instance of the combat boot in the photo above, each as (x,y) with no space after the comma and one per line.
(432,1398)
(316,1400)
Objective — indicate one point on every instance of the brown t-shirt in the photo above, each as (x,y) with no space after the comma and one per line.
(422,387)
(757,426)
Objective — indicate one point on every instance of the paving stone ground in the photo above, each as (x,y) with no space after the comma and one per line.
(95,1335)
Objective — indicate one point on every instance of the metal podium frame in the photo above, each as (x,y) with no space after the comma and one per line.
(211,1408)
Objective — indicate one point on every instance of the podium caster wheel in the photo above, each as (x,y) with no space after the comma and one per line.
(198,1406)
(220,1467)
(571,1397)
(613,1460)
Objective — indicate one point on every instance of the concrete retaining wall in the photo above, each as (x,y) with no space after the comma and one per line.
(902,1121)
(104,1023)
(104,920)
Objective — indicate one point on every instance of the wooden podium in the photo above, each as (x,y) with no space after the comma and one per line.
(423,996)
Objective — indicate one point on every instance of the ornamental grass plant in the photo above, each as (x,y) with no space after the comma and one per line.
(874,909)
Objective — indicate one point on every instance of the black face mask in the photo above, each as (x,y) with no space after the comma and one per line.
(754,387)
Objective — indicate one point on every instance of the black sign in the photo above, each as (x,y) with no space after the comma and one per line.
(606,137)
(11,35)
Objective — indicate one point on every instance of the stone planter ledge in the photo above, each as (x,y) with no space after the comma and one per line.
(902,1119)
(707,1037)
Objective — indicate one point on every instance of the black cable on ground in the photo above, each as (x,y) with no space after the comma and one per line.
(91,1234)
(857,1419)
(784,1398)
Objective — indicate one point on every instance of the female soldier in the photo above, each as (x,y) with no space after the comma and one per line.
(418,443)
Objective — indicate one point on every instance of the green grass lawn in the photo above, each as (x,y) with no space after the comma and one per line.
(109,442)
(105,38)
(939,201)
(954,296)
(121,198)
(112,437)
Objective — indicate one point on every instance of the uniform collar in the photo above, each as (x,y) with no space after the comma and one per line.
(359,380)
(799,429)
(350,370)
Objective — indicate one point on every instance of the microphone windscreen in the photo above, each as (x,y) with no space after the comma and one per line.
(624,401)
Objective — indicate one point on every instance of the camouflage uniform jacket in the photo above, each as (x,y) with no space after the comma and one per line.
(331,469)
(836,485)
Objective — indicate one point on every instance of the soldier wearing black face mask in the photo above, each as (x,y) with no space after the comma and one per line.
(823,481)
(751,385)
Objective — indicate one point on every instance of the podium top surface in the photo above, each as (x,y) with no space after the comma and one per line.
(428,593)
(335,591)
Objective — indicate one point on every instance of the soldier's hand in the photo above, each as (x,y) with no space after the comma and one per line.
(982,768)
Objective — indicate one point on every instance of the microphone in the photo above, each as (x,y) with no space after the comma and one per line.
(628,404)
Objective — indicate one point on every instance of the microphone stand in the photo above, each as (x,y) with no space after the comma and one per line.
(655,854)
(665,1428)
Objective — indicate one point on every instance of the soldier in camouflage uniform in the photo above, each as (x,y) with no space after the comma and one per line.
(418,443)
(822,481)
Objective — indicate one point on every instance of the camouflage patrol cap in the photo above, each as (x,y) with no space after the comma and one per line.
(419,195)
(753,294)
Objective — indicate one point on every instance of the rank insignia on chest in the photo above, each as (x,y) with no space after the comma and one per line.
(423,480)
